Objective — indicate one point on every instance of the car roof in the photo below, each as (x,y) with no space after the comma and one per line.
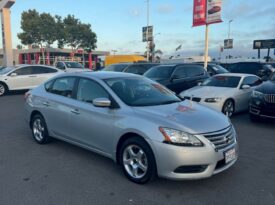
(175,64)
(102,74)
(236,74)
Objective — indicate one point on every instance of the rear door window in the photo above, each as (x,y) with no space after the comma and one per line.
(194,70)
(63,86)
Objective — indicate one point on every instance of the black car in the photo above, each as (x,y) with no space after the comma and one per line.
(178,77)
(214,69)
(262,102)
(135,68)
(117,67)
(262,70)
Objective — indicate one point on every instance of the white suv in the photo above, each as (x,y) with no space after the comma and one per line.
(70,66)
(24,77)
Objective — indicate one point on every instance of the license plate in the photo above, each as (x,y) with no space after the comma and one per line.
(230,155)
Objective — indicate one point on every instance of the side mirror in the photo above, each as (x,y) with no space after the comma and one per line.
(102,102)
(13,74)
(199,83)
(245,87)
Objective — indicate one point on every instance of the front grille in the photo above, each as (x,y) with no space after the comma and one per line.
(195,99)
(221,139)
(270,98)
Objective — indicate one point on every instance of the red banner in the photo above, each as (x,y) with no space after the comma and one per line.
(199,13)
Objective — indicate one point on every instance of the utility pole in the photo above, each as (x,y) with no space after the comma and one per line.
(229,22)
(206,47)
(147,35)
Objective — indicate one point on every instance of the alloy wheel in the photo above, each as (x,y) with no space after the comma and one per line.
(2,89)
(135,161)
(229,109)
(38,129)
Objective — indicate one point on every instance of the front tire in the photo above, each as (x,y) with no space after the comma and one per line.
(228,108)
(39,130)
(3,89)
(137,160)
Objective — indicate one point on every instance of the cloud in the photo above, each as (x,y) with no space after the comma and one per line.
(165,9)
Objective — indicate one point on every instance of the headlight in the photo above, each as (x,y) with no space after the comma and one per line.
(213,100)
(180,138)
(257,94)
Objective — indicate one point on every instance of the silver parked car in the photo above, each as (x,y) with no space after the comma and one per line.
(228,92)
(134,121)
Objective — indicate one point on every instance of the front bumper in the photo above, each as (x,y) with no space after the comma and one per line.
(259,107)
(202,161)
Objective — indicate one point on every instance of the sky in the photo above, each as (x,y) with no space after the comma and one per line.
(118,23)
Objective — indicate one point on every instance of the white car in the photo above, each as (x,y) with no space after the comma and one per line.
(228,93)
(70,66)
(23,77)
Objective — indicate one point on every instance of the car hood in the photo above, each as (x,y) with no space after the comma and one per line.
(207,91)
(267,87)
(187,116)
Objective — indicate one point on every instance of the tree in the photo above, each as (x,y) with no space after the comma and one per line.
(19,47)
(38,29)
(30,26)
(77,34)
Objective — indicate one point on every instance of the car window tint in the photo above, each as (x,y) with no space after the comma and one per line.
(136,69)
(59,65)
(42,70)
(160,72)
(192,71)
(252,81)
(23,71)
(63,86)
(48,85)
(180,72)
(89,90)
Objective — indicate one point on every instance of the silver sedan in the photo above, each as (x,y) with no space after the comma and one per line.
(228,93)
(136,122)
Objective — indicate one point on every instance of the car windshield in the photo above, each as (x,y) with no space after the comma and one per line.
(219,69)
(159,72)
(116,68)
(222,81)
(73,65)
(6,70)
(141,92)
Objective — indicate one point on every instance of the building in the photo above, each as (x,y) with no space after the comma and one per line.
(52,55)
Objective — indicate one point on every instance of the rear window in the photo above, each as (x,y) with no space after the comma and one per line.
(159,72)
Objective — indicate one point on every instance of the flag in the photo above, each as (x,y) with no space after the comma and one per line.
(179,47)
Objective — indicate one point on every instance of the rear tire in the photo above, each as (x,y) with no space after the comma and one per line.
(137,160)
(3,89)
(228,108)
(39,129)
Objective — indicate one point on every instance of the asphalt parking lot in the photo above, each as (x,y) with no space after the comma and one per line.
(60,173)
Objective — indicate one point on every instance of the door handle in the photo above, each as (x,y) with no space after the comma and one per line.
(47,104)
(32,76)
(75,111)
